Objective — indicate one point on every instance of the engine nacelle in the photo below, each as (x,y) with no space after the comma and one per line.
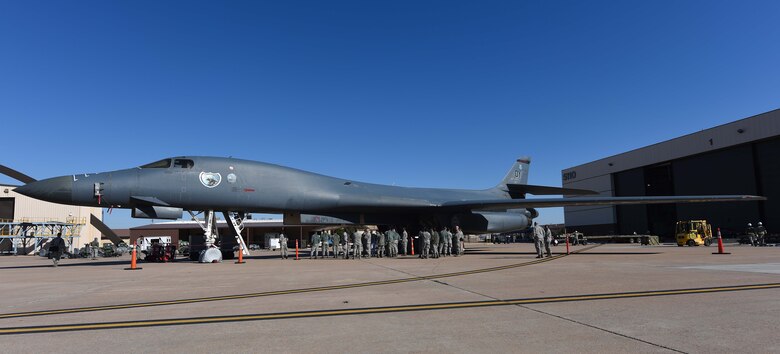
(480,222)
(531,213)
(157,212)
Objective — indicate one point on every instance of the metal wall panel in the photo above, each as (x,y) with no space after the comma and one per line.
(592,215)
(600,183)
(758,127)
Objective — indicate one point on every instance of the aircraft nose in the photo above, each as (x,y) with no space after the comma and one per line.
(55,190)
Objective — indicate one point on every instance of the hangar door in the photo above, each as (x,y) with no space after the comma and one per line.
(656,219)
(7,209)
(728,171)
(630,218)
(661,218)
(768,168)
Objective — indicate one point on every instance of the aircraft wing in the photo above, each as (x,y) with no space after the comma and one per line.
(504,204)
(105,230)
(21,177)
(152,201)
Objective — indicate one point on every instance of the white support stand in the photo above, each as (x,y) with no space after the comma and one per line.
(210,233)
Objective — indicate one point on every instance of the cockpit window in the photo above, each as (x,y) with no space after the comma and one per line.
(183,163)
(158,164)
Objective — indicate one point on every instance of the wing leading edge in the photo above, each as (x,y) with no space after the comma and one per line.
(503,204)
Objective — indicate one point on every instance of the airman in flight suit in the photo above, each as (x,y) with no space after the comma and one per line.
(357,245)
(435,240)
(426,237)
(315,245)
(283,245)
(336,244)
(404,241)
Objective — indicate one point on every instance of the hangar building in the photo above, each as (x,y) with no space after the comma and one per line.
(741,157)
(16,208)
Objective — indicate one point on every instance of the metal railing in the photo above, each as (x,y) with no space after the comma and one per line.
(30,233)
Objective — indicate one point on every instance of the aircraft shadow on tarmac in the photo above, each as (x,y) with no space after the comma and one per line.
(272,256)
(614,253)
(306,257)
(64,264)
(589,253)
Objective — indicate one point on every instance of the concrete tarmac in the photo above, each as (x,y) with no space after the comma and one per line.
(731,321)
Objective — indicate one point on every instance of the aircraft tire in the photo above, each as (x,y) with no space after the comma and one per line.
(210,255)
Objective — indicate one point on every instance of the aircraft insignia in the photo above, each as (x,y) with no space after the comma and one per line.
(210,179)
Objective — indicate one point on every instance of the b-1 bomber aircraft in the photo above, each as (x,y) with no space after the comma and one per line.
(166,188)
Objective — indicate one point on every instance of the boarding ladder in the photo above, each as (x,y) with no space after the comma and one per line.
(236,224)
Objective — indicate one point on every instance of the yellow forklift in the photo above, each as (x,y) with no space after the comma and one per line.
(693,233)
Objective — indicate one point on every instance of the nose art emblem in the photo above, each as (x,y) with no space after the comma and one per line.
(210,179)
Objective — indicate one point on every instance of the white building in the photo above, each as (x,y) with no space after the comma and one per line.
(15,207)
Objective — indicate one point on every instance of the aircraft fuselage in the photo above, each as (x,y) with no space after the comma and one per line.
(227,184)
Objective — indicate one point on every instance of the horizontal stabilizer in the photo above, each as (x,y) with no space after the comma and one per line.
(504,204)
(520,189)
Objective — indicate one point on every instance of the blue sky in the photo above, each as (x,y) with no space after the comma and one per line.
(413,93)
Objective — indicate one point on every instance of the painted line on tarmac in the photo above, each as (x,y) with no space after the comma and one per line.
(281,292)
(376,310)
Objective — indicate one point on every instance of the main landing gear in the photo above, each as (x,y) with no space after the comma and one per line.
(212,253)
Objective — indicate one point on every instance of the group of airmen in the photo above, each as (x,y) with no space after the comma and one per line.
(756,234)
(435,244)
(359,244)
(371,243)
(542,238)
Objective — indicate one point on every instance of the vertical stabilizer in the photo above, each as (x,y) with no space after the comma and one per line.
(515,184)
(518,174)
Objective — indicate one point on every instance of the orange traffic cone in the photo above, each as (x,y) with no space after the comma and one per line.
(240,254)
(720,245)
(133,256)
